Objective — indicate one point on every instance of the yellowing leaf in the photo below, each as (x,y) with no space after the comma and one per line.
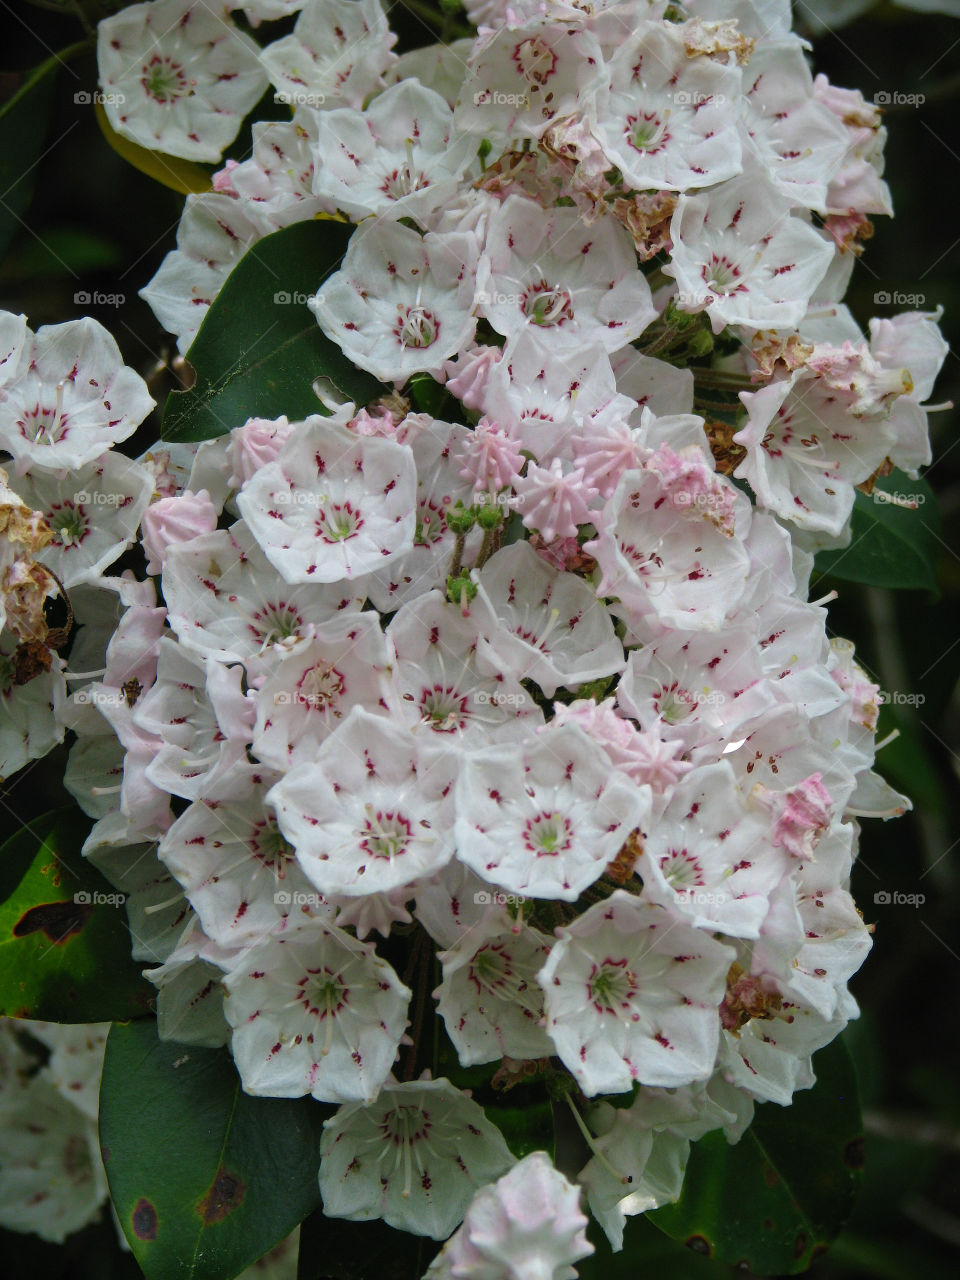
(180,175)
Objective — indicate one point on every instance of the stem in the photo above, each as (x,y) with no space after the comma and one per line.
(723,379)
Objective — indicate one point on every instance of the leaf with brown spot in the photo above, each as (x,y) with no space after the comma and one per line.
(225,1194)
(205,1178)
(785,1189)
(64,940)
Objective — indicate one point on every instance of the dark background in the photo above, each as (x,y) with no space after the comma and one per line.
(95,224)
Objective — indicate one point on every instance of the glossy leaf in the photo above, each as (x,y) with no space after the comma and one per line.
(204,1178)
(259,349)
(64,940)
(890,545)
(170,171)
(774,1201)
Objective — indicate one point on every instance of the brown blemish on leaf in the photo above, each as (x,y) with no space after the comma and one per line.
(699,1244)
(767,1222)
(225,1194)
(854,1154)
(800,1245)
(144,1220)
(58,920)
(770,1176)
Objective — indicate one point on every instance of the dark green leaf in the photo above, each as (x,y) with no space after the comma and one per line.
(204,1178)
(64,941)
(890,545)
(646,1252)
(776,1199)
(259,348)
(526,1129)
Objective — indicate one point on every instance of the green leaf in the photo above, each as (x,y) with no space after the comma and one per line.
(204,1178)
(646,1252)
(64,251)
(890,545)
(23,126)
(64,940)
(259,348)
(776,1199)
(526,1129)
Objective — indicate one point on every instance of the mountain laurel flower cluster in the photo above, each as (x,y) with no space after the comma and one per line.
(511,730)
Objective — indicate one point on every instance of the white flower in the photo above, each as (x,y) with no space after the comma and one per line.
(315,1012)
(666,120)
(670,558)
(227,602)
(443,684)
(528,1225)
(413,1158)
(400,303)
(400,157)
(543,268)
(711,857)
(521,77)
(373,810)
(93,513)
(541,624)
(345,665)
(71,398)
(336,54)
(334,505)
(489,998)
(178,76)
(632,995)
(545,817)
(739,252)
(239,873)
